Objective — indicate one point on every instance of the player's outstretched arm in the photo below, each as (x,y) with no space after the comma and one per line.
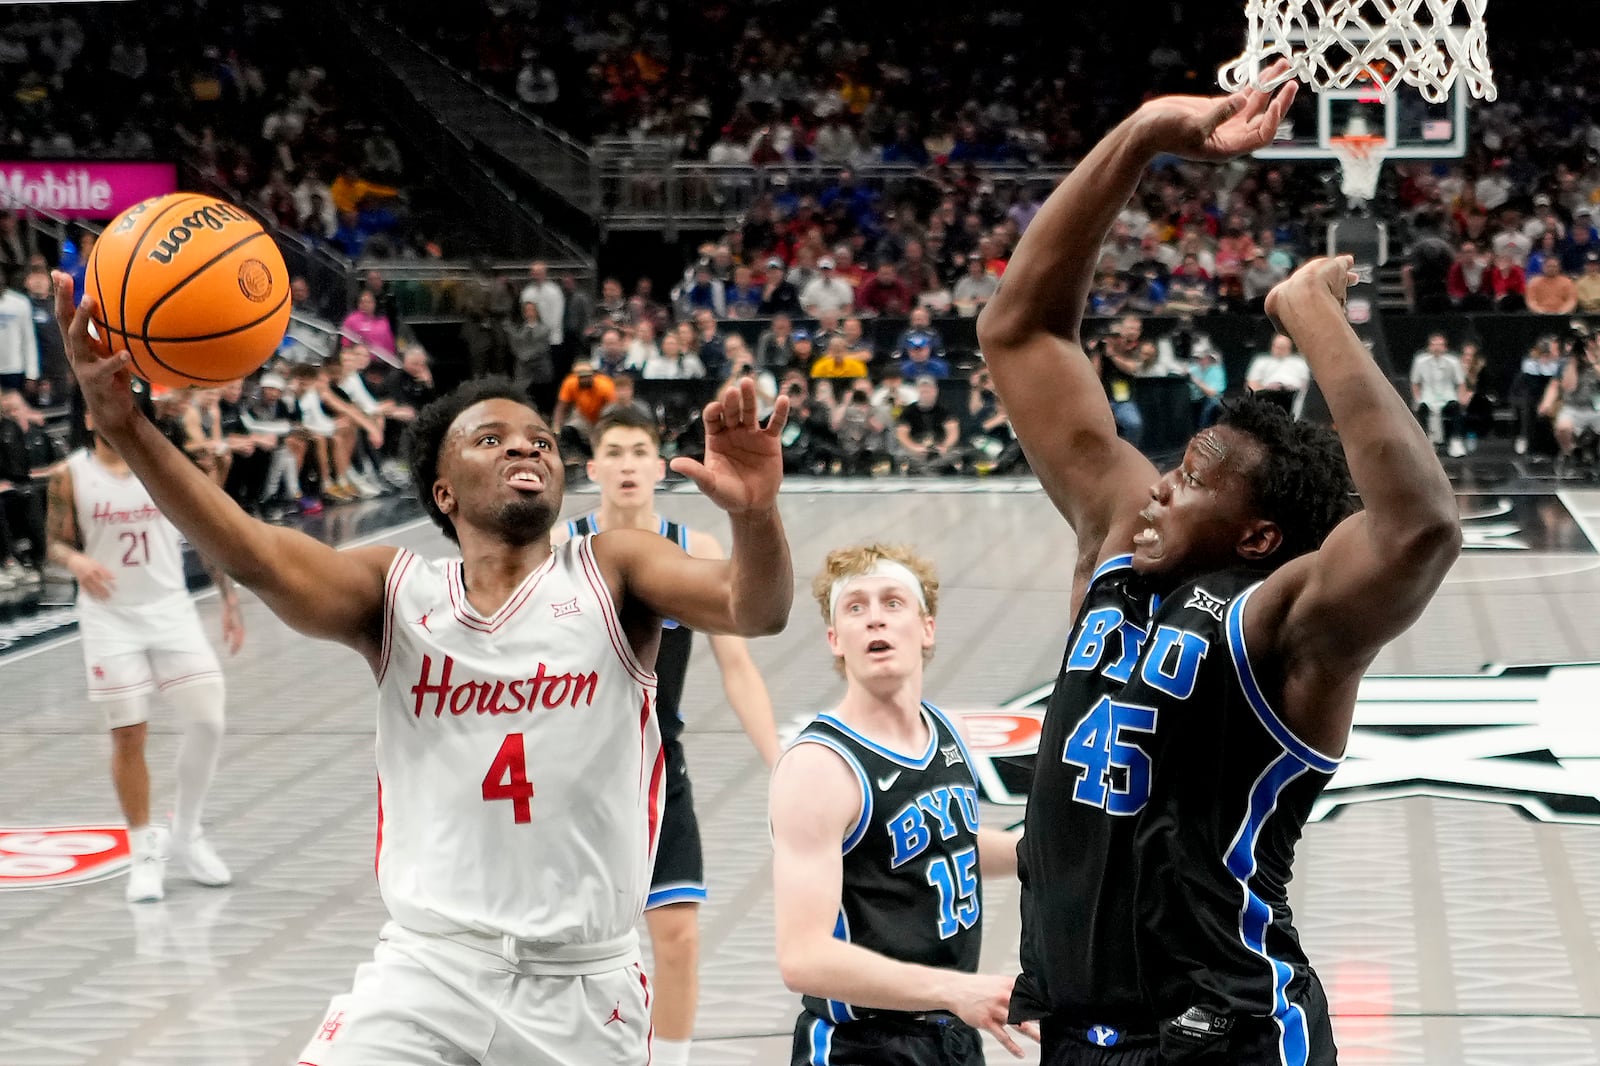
(749,593)
(813,804)
(315,589)
(1029,331)
(1326,615)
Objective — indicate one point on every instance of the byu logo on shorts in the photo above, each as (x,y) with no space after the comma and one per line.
(1104,1036)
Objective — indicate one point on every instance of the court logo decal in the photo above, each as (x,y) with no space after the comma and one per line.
(57,855)
(1523,737)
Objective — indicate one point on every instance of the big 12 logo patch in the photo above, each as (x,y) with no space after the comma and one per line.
(56,855)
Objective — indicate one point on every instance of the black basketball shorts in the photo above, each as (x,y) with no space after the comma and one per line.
(680,873)
(940,1041)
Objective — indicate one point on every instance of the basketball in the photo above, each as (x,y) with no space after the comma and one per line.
(192,287)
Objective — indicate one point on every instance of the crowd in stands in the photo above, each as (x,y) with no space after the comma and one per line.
(232,91)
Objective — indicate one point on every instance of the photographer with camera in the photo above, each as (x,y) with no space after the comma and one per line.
(992,447)
(859,431)
(928,434)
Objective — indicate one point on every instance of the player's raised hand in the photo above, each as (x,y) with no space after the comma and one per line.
(1215,128)
(983,1001)
(103,377)
(1322,278)
(744,462)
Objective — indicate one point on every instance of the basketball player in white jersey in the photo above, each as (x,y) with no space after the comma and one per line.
(519,762)
(627,466)
(141,633)
(874,813)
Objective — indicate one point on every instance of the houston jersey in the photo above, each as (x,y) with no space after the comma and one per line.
(1166,804)
(519,763)
(677,639)
(123,532)
(911,888)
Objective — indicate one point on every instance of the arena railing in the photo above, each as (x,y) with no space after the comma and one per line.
(647,191)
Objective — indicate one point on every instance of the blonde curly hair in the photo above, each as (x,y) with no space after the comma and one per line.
(860,559)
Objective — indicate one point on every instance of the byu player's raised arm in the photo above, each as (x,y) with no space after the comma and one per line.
(1380,566)
(1030,331)
(315,589)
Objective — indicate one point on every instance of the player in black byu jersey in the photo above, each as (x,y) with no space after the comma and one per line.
(1225,613)
(877,850)
(627,466)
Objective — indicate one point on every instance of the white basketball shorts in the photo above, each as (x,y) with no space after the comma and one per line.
(429,1001)
(134,651)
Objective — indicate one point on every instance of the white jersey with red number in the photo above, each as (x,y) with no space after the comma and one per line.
(520,777)
(122,531)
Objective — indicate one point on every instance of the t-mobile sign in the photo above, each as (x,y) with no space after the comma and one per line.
(84,189)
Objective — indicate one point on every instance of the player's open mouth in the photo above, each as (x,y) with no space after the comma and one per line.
(629,485)
(1146,537)
(879,646)
(525,479)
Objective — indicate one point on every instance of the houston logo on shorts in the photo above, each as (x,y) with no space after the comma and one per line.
(55,855)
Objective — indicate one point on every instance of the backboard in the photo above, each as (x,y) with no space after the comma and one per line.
(1412,127)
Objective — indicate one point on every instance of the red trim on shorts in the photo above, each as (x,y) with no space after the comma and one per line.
(461,605)
(184,679)
(391,594)
(377,851)
(657,772)
(123,690)
(608,614)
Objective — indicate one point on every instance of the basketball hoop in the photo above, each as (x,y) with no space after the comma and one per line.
(1361,159)
(1334,44)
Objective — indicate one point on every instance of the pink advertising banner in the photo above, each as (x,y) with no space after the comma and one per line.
(82,188)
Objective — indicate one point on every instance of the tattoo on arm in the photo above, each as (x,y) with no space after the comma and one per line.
(61,517)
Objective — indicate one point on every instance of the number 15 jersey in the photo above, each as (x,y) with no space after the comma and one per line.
(520,776)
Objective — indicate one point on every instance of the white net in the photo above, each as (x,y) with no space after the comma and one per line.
(1360,163)
(1340,44)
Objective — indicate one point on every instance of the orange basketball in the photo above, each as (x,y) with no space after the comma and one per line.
(192,286)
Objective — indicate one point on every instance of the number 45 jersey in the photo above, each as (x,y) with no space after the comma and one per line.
(1167,800)
(520,777)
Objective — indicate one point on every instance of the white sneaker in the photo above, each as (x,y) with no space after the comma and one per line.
(1521,446)
(1457,449)
(146,873)
(202,860)
(361,486)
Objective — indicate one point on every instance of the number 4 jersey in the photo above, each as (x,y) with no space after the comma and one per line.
(1167,800)
(911,887)
(519,762)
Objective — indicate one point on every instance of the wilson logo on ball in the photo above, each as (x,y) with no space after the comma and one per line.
(211,217)
(255,280)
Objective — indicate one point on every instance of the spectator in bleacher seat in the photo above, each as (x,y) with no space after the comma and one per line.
(28,454)
(251,451)
(266,414)
(778,294)
(1580,243)
(1279,375)
(1587,288)
(920,361)
(775,346)
(349,398)
(578,312)
(1438,393)
(929,435)
(702,292)
(1552,292)
(611,354)
(921,321)
(838,362)
(611,312)
(16,243)
(827,291)
(741,363)
(991,444)
(365,325)
(201,416)
(1469,284)
(671,363)
(743,297)
(1189,290)
(1109,294)
(974,288)
(643,307)
(1156,360)
(1508,283)
(1260,276)
(584,395)
(1572,400)
(628,397)
(1549,247)
(856,341)
(1426,273)
(411,387)
(916,273)
(19,342)
(547,296)
(642,346)
(1208,381)
(531,342)
(54,382)
(860,431)
(1478,416)
(710,345)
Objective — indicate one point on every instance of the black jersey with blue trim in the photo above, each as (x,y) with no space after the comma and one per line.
(677,640)
(1167,800)
(911,885)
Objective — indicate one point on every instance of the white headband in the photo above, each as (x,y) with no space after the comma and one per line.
(899,573)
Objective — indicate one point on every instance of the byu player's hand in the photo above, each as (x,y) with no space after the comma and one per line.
(1215,128)
(103,378)
(93,578)
(744,462)
(983,1001)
